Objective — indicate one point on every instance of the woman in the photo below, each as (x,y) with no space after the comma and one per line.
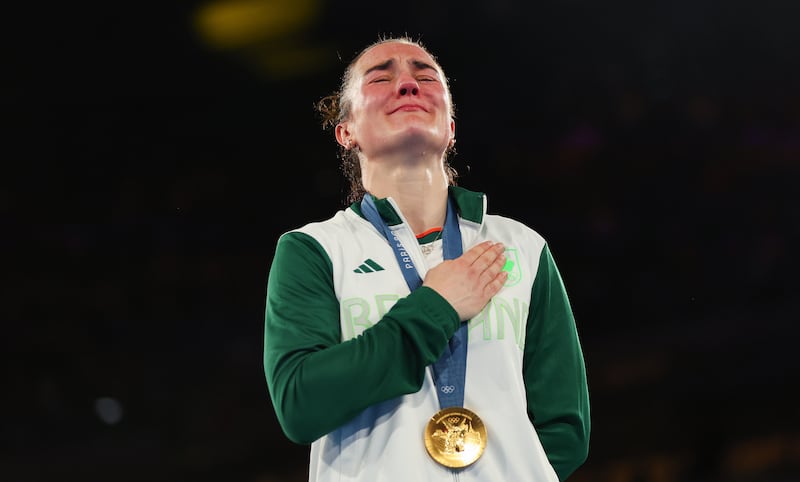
(413,336)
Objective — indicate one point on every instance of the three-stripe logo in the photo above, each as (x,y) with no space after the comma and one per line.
(368,266)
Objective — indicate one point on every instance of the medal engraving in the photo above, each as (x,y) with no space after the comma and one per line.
(455,437)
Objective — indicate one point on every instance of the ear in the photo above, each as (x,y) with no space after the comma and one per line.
(343,135)
(452,130)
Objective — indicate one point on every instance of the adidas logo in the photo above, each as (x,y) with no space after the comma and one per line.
(368,266)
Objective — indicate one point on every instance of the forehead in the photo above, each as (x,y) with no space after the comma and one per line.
(396,51)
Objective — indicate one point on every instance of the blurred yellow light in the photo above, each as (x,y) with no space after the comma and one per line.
(232,24)
(290,61)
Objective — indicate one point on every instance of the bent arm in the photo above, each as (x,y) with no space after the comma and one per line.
(318,382)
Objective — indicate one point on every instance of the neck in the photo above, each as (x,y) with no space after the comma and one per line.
(420,190)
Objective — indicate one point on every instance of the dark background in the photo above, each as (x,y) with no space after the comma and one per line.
(152,153)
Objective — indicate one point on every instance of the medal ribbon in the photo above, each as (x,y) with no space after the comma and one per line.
(450,370)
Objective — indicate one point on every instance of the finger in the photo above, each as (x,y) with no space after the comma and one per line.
(493,255)
(475,252)
(496,284)
(496,265)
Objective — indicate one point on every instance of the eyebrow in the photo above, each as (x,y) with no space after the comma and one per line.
(418,64)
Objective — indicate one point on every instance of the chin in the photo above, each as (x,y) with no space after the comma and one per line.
(424,135)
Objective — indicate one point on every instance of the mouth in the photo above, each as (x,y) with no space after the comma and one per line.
(409,108)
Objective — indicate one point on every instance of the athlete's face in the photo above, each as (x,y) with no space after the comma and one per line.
(399,98)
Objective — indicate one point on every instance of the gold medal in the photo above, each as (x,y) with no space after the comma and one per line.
(455,437)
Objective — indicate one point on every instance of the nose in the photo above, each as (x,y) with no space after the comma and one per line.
(408,86)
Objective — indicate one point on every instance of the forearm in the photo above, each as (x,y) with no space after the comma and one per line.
(317,390)
(316,381)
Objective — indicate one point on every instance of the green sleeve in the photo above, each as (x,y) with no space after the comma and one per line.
(555,374)
(316,381)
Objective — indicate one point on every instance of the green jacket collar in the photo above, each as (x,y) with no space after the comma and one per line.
(469,205)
